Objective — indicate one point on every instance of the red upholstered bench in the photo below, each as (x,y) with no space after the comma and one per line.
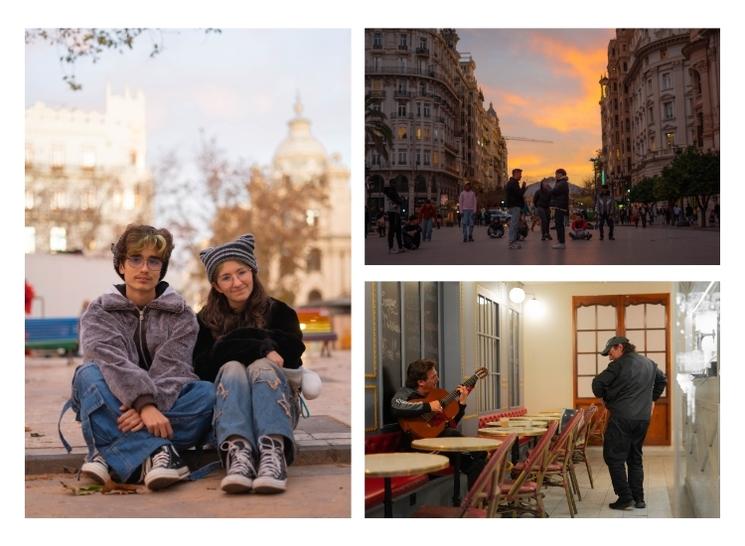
(490,417)
(388,442)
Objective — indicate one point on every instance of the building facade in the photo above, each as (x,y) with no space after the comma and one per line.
(660,96)
(86,174)
(442,135)
(301,156)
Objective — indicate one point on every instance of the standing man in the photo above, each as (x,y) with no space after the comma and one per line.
(392,208)
(629,386)
(604,208)
(427,215)
(515,202)
(421,379)
(467,204)
(560,204)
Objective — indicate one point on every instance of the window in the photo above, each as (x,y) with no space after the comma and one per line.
(419,133)
(667,81)
(650,115)
(427,156)
(670,139)
(377,85)
(58,239)
(418,109)
(311,217)
(488,344)
(402,159)
(402,41)
(668,109)
(377,41)
(427,109)
(514,357)
(375,159)
(402,133)
(313,263)
(402,108)
(30,236)
(418,156)
(436,158)
(423,43)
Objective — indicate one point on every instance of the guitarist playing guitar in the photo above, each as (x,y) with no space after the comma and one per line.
(410,402)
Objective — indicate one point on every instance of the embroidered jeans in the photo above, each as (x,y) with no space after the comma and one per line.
(253,401)
(97,409)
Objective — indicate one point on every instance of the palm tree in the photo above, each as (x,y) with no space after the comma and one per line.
(378,135)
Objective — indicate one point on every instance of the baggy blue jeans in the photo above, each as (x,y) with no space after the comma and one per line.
(97,409)
(254,401)
(514,224)
(467,224)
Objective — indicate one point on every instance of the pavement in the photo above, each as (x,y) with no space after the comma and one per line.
(318,482)
(653,245)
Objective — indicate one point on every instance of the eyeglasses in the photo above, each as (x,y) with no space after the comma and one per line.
(153,263)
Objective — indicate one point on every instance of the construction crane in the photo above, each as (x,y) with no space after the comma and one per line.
(524,139)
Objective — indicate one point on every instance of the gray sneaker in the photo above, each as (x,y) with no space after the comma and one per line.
(163,468)
(558,245)
(240,466)
(96,469)
(272,476)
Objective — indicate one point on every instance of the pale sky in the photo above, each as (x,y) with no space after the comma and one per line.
(239,86)
(544,85)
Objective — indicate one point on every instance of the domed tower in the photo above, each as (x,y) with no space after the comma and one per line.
(301,157)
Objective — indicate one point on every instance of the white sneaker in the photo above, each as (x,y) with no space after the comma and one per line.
(272,476)
(241,470)
(96,469)
(164,468)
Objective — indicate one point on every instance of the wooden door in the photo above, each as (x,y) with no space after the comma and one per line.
(645,320)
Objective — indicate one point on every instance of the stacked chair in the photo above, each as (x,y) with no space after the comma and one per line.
(582,439)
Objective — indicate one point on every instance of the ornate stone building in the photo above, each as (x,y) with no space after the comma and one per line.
(442,136)
(86,176)
(301,156)
(661,95)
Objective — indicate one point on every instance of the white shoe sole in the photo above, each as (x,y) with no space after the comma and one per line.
(161,478)
(266,485)
(235,483)
(96,472)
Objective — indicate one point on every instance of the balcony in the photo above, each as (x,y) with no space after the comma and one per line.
(422,51)
(403,47)
(402,93)
(377,93)
(377,45)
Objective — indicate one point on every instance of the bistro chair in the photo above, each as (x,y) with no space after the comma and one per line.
(523,493)
(597,432)
(483,497)
(582,438)
(560,468)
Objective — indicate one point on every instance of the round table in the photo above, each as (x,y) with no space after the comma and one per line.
(389,465)
(522,432)
(456,445)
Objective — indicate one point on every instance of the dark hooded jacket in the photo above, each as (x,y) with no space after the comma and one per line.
(560,194)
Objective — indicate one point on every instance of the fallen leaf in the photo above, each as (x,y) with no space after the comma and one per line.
(114,488)
(36,435)
(80,491)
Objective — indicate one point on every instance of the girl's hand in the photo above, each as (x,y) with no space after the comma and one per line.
(275,357)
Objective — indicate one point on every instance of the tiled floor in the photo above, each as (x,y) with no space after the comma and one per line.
(659,490)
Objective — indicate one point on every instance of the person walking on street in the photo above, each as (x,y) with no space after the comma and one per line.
(392,206)
(515,201)
(467,205)
(542,201)
(643,211)
(427,215)
(560,204)
(629,387)
(604,208)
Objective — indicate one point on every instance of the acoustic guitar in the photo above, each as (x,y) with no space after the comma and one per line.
(431,424)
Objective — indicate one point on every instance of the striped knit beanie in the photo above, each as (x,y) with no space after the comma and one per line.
(241,250)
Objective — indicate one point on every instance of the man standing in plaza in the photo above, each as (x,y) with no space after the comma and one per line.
(515,202)
(629,386)
(467,204)
(560,204)
(426,216)
(604,208)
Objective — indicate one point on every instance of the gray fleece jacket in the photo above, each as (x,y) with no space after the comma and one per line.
(112,328)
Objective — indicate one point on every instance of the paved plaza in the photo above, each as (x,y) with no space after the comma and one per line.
(653,245)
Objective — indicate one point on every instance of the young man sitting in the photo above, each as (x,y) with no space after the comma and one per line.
(580,229)
(136,396)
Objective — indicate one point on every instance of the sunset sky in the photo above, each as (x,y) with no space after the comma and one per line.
(544,85)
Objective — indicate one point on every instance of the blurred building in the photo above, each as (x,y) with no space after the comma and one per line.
(661,95)
(442,135)
(86,175)
(301,156)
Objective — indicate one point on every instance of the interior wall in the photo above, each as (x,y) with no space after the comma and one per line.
(547,339)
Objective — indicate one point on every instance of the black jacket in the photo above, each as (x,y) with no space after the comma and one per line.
(282,334)
(560,194)
(629,385)
(514,194)
(542,198)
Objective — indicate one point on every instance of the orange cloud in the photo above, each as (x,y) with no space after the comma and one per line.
(572,114)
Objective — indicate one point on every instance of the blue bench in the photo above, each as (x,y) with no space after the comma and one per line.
(53,334)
